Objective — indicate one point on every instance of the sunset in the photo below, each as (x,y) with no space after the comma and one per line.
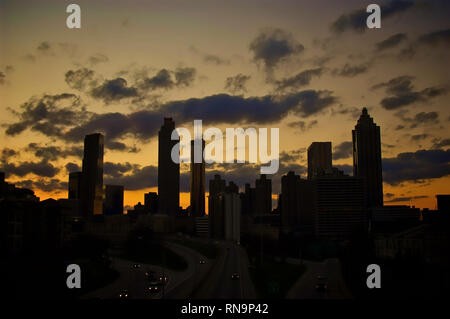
(90,96)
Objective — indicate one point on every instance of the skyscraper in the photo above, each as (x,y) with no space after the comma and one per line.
(92,176)
(339,205)
(113,202)
(319,158)
(217,187)
(367,158)
(168,171)
(75,179)
(263,194)
(296,204)
(197,181)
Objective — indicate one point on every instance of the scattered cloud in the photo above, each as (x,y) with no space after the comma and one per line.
(415,166)
(237,83)
(356,20)
(299,80)
(272,46)
(402,93)
(391,42)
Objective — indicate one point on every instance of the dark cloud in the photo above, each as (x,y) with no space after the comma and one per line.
(356,20)
(62,116)
(416,166)
(141,124)
(118,169)
(419,137)
(47,185)
(402,92)
(237,83)
(119,146)
(184,76)
(80,79)
(343,150)
(162,80)
(350,71)
(435,38)
(299,80)
(405,199)
(441,143)
(53,153)
(139,178)
(303,125)
(114,90)
(2,78)
(42,168)
(272,46)
(165,79)
(391,42)
(49,114)
(223,108)
(72,167)
(292,156)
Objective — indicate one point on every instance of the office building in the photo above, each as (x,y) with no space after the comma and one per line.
(75,183)
(319,158)
(197,181)
(296,204)
(168,171)
(339,206)
(113,202)
(367,158)
(92,176)
(263,195)
(151,202)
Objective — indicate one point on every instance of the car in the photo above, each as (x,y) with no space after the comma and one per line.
(235,276)
(124,294)
(202,262)
(136,265)
(162,279)
(153,289)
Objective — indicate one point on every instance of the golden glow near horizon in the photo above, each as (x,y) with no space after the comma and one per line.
(135,40)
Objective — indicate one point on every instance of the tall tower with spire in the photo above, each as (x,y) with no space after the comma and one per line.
(367,158)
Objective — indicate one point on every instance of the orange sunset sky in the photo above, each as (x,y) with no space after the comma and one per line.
(305,67)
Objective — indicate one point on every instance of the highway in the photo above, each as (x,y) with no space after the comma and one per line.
(305,287)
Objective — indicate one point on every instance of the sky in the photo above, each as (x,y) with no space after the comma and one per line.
(305,67)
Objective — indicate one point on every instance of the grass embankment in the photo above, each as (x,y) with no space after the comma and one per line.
(273,279)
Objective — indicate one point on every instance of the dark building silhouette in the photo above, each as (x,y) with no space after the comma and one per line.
(224,210)
(443,203)
(113,202)
(367,158)
(197,181)
(263,195)
(319,158)
(339,205)
(75,185)
(217,187)
(92,176)
(296,204)
(168,171)
(248,200)
(151,202)
(232,188)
